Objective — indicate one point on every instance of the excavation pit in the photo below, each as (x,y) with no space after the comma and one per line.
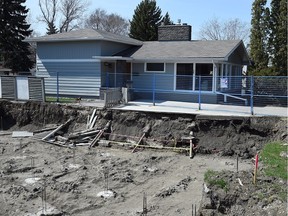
(171,180)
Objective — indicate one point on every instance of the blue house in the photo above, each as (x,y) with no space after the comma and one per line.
(176,67)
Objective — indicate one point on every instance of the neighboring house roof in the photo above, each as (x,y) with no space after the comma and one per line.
(171,50)
(86,35)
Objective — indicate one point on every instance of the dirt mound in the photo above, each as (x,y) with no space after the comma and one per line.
(231,193)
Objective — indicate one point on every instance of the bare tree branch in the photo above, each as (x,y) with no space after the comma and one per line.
(114,23)
(96,19)
(233,29)
(48,9)
(71,11)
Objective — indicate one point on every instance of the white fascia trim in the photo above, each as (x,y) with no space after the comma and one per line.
(68,60)
(179,60)
(107,58)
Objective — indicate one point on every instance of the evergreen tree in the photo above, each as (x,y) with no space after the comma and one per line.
(166,20)
(13,30)
(145,21)
(278,36)
(51,29)
(259,35)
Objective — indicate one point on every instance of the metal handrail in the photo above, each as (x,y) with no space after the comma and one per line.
(232,96)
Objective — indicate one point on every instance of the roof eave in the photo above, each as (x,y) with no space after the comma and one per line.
(240,43)
(181,59)
(39,40)
(112,58)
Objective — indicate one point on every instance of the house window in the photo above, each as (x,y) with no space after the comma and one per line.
(184,78)
(155,67)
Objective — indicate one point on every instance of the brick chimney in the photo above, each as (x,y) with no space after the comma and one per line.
(174,32)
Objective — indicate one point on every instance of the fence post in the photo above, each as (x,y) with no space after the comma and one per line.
(154,83)
(43,89)
(199,96)
(57,75)
(251,96)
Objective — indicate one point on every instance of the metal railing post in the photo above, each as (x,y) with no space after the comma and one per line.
(199,96)
(251,96)
(154,83)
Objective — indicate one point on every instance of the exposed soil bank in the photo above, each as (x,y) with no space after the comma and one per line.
(227,135)
(172,181)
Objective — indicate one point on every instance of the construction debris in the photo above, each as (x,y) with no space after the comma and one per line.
(140,140)
(99,135)
(92,120)
(57,129)
(16,134)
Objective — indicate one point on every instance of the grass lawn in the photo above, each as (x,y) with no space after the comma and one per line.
(61,99)
(274,164)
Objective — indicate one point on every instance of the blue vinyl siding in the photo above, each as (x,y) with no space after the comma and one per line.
(75,78)
(144,81)
(68,50)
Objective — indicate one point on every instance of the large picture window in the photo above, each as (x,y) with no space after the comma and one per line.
(155,67)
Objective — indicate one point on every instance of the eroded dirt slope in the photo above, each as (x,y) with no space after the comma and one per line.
(227,135)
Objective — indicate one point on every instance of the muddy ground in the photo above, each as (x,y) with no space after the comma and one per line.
(171,180)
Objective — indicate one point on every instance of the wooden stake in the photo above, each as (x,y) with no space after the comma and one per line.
(191,149)
(138,142)
(255,170)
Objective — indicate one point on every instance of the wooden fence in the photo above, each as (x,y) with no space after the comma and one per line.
(22,88)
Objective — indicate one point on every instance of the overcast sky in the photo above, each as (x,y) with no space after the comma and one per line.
(192,12)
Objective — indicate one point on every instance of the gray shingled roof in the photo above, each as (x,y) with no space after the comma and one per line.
(185,49)
(86,34)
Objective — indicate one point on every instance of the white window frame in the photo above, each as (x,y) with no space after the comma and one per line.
(175,76)
(146,71)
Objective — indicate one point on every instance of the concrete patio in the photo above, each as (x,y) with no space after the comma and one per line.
(206,109)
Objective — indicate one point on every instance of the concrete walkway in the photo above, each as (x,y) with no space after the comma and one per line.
(206,109)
